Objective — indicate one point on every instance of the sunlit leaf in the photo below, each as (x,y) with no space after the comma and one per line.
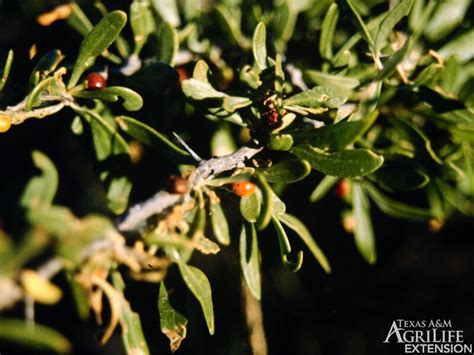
(363,232)
(250,260)
(172,323)
(198,284)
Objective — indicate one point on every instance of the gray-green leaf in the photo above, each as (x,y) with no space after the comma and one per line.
(97,41)
(172,323)
(198,284)
(287,171)
(132,101)
(300,229)
(345,163)
(250,260)
(41,190)
(219,223)
(363,232)
(259,47)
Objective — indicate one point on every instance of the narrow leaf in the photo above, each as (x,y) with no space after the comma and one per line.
(300,229)
(219,223)
(327,31)
(198,284)
(97,41)
(150,137)
(363,232)
(250,207)
(323,188)
(250,260)
(37,337)
(388,23)
(259,46)
(168,43)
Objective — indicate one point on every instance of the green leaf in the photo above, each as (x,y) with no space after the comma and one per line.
(259,46)
(219,223)
(328,81)
(461,46)
(360,24)
(132,332)
(250,260)
(97,41)
(323,188)
(345,163)
(78,20)
(38,336)
(76,126)
(398,176)
(142,23)
(327,31)
(250,207)
(40,190)
(45,66)
(391,64)
(168,43)
(285,248)
(287,171)
(168,10)
(200,90)
(335,136)
(398,209)
(284,22)
(388,23)
(231,25)
(150,137)
(132,101)
(418,137)
(33,98)
(172,323)
(198,284)
(6,69)
(316,97)
(118,192)
(363,232)
(300,229)
(280,142)
(447,17)
(267,202)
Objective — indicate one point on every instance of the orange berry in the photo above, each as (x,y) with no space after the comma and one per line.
(243,188)
(342,188)
(177,185)
(5,123)
(95,81)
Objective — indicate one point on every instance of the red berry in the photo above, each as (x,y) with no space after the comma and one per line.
(243,188)
(342,188)
(177,185)
(272,118)
(95,81)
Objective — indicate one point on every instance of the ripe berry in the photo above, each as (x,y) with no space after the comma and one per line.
(95,81)
(5,123)
(342,188)
(243,188)
(177,185)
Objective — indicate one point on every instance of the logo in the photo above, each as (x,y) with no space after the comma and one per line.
(428,337)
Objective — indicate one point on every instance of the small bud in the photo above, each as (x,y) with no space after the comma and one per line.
(5,123)
(243,188)
(95,81)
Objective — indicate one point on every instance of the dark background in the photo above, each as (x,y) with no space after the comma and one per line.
(419,275)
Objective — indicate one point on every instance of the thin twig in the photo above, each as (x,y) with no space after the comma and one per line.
(254,319)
